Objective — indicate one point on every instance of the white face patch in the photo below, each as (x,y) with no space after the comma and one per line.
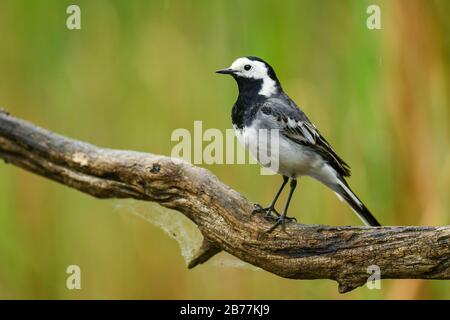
(258,70)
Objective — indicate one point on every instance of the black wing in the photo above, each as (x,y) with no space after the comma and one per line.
(296,126)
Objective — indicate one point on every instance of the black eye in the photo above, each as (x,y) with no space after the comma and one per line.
(247,67)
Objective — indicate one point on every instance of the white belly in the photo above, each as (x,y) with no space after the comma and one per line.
(292,159)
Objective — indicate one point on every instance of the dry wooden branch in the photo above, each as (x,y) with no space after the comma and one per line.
(224,216)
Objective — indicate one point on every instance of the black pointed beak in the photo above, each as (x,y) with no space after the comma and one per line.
(225,71)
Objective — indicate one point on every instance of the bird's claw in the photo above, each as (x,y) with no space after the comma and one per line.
(281,220)
(290,219)
(270,212)
(257,208)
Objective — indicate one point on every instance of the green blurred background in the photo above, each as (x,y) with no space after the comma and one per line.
(137,70)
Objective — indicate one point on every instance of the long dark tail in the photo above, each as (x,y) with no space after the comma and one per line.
(360,209)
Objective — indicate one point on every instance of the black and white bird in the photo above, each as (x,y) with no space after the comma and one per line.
(302,150)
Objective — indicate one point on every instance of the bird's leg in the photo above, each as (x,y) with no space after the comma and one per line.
(271,209)
(282,219)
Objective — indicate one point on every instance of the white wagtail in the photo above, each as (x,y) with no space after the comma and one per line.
(302,151)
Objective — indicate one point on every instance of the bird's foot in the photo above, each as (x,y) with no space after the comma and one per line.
(269,212)
(281,221)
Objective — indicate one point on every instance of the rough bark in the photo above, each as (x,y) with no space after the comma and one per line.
(224,216)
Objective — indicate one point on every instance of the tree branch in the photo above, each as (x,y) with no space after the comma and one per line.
(224,216)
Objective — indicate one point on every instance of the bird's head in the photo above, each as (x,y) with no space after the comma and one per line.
(253,75)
